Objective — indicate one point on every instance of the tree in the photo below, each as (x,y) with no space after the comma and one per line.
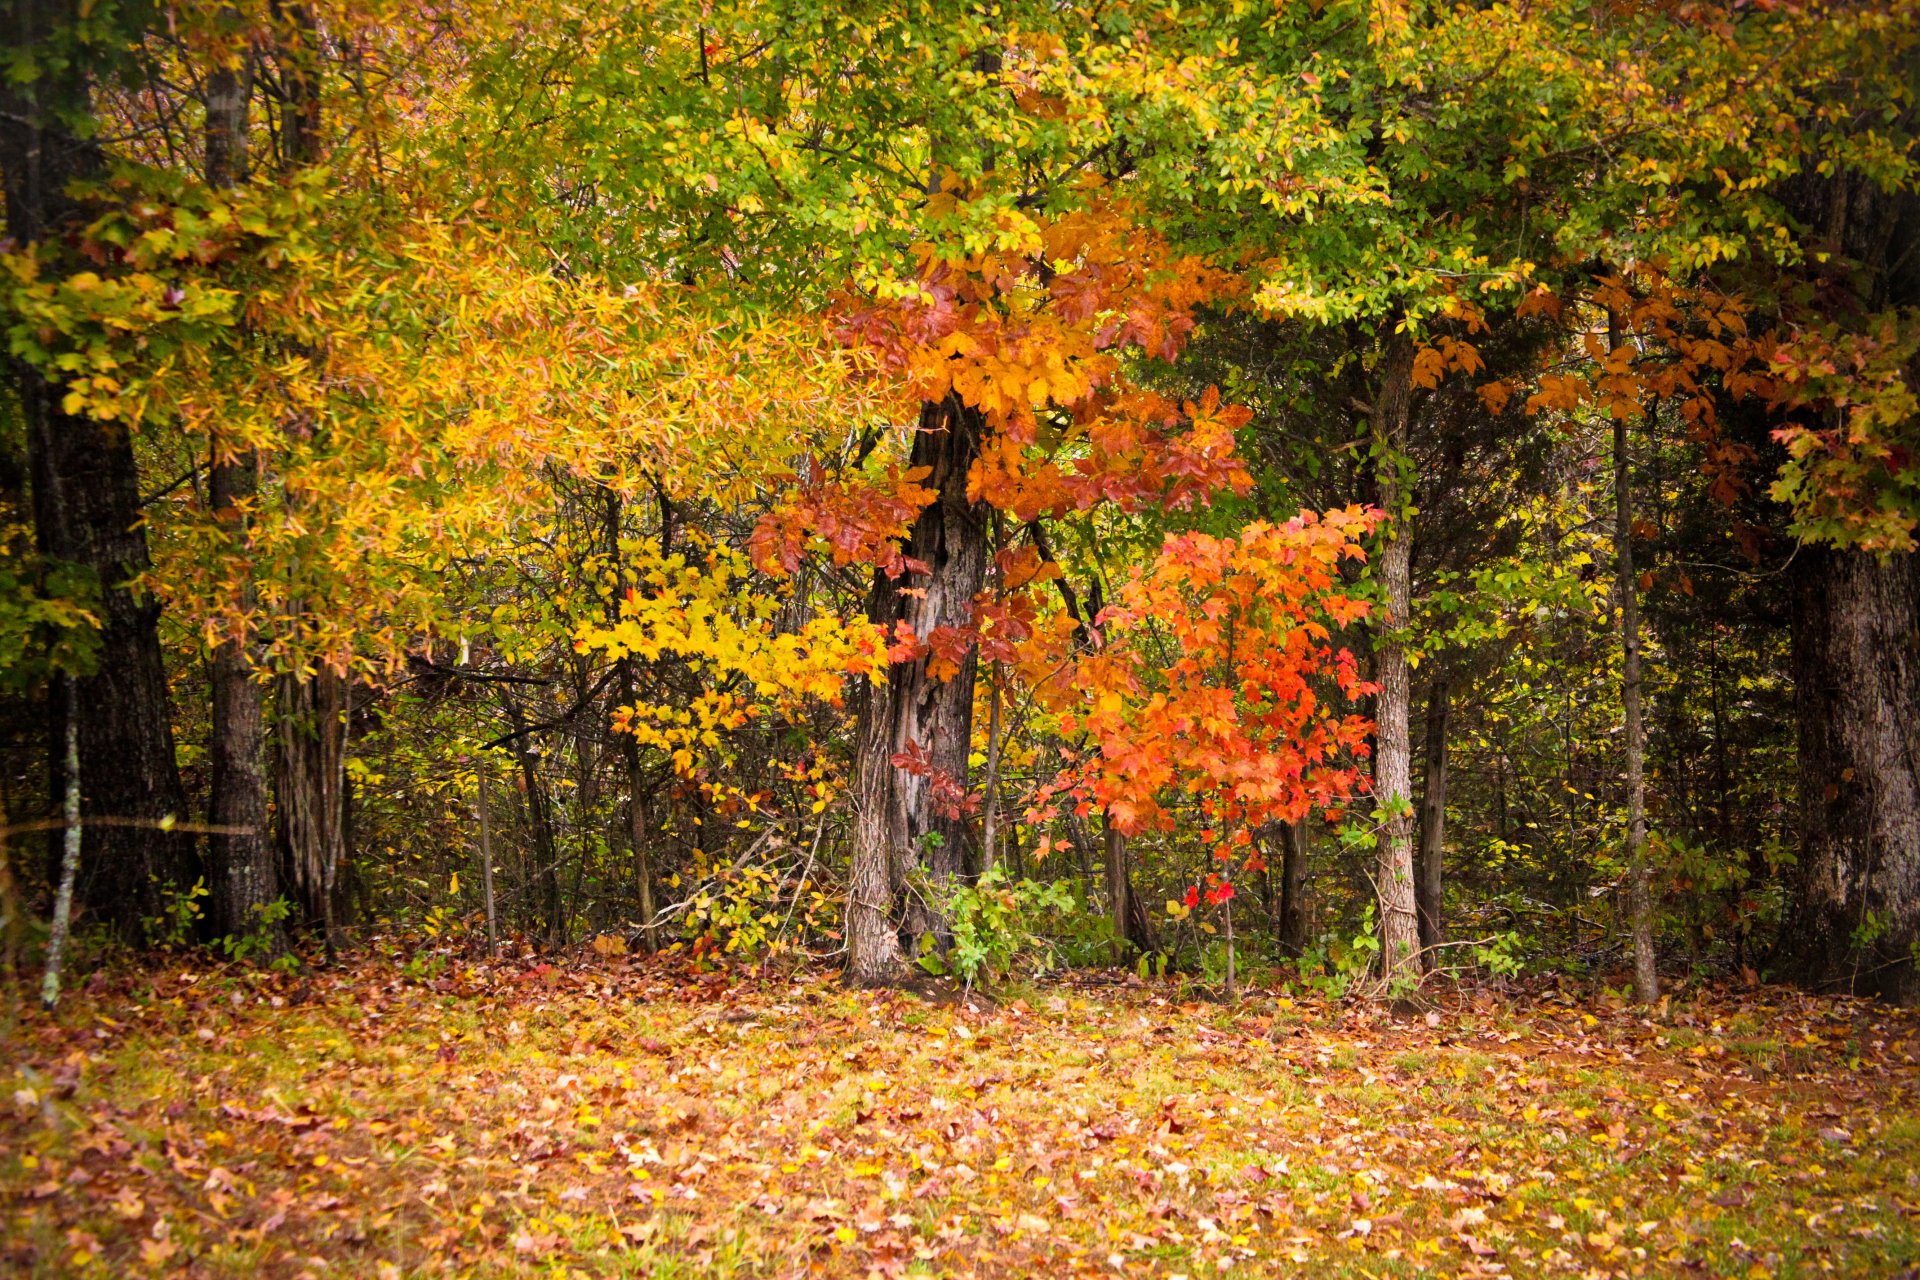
(86,496)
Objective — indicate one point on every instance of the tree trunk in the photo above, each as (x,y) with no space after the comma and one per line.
(86,506)
(69,871)
(309,783)
(929,716)
(1856,666)
(1646,973)
(240,861)
(486,857)
(1393,751)
(1291,927)
(1855,917)
(241,864)
(1433,822)
(873,947)
(1131,934)
(545,871)
(630,745)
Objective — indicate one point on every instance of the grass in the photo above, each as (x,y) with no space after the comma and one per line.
(623,1120)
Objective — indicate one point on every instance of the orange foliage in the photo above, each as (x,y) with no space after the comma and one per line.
(1218,679)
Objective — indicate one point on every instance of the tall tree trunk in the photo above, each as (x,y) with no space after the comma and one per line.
(310,758)
(1433,822)
(1855,917)
(1393,750)
(1291,927)
(929,716)
(86,506)
(1646,973)
(240,861)
(1856,667)
(309,783)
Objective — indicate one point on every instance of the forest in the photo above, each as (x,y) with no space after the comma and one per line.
(960,637)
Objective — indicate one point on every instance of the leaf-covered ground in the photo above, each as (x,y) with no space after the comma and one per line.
(610,1119)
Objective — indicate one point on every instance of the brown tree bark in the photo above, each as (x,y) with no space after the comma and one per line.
(926,713)
(1433,822)
(1856,663)
(86,507)
(1855,915)
(1393,748)
(873,945)
(1132,934)
(241,867)
(309,784)
(1291,926)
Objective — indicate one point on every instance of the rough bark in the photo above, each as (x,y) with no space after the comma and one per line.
(86,508)
(1856,666)
(873,946)
(927,714)
(241,870)
(1646,974)
(309,785)
(1433,821)
(1855,916)
(916,713)
(1291,926)
(1393,754)
(244,878)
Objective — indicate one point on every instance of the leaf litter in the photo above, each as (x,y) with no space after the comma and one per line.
(614,1117)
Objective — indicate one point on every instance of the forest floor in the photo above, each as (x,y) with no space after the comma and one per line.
(610,1118)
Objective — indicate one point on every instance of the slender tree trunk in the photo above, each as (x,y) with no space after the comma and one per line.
(1132,931)
(630,745)
(637,839)
(1646,973)
(486,859)
(1855,918)
(86,507)
(69,871)
(996,697)
(1393,751)
(928,715)
(990,823)
(1291,927)
(1119,892)
(1232,988)
(1433,821)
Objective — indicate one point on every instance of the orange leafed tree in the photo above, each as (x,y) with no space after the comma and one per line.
(1219,682)
(1013,361)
